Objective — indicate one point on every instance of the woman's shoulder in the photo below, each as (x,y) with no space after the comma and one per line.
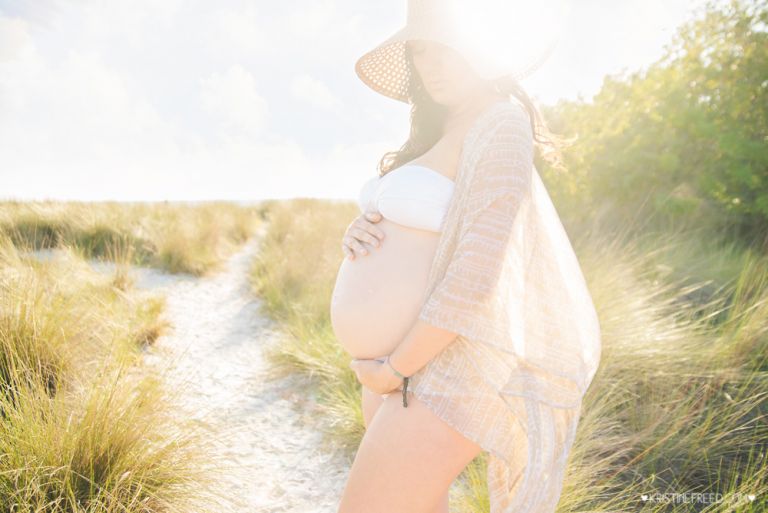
(508,114)
(504,121)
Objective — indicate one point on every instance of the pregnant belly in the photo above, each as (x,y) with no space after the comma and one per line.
(377,297)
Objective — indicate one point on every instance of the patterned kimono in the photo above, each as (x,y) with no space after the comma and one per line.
(505,278)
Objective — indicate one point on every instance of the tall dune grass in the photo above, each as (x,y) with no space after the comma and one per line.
(177,237)
(83,426)
(678,405)
(292,274)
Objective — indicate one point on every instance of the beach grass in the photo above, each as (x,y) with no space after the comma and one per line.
(176,237)
(84,425)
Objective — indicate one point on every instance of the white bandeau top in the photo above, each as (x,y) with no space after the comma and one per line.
(412,195)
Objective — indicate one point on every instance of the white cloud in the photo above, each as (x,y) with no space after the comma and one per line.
(14,38)
(233,99)
(172,100)
(243,28)
(128,21)
(312,19)
(315,92)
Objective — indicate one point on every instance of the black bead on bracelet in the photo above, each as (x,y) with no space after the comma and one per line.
(405,382)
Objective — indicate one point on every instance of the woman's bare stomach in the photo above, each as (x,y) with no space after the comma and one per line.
(377,297)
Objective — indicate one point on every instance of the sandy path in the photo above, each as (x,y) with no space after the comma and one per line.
(267,429)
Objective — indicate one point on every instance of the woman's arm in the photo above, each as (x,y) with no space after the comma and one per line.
(459,301)
(422,343)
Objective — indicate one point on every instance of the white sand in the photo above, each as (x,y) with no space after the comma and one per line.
(268,430)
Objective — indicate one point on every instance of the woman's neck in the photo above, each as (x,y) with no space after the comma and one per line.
(468,110)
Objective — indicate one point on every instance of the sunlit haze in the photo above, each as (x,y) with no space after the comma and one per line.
(242,100)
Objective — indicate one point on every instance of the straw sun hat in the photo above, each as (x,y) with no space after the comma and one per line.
(385,68)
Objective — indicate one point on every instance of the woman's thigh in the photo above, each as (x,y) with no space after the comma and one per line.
(371,402)
(406,461)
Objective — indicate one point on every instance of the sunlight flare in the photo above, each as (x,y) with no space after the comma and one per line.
(506,35)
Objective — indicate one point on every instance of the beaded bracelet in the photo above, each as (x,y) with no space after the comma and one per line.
(405,382)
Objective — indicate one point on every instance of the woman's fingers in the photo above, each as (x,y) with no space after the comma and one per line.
(362,230)
(367,223)
(371,227)
(350,246)
(364,235)
(355,245)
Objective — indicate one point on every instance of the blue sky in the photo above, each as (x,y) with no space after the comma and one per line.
(193,100)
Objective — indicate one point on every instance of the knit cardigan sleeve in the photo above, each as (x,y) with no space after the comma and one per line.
(501,182)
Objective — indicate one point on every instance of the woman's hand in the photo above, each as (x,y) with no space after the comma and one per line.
(375,375)
(362,229)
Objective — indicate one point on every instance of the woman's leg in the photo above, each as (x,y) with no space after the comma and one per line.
(371,403)
(406,462)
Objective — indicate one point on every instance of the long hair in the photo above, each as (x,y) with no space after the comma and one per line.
(427,119)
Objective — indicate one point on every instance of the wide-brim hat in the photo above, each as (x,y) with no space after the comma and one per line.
(385,68)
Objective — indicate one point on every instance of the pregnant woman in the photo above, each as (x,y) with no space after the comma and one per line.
(461,300)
